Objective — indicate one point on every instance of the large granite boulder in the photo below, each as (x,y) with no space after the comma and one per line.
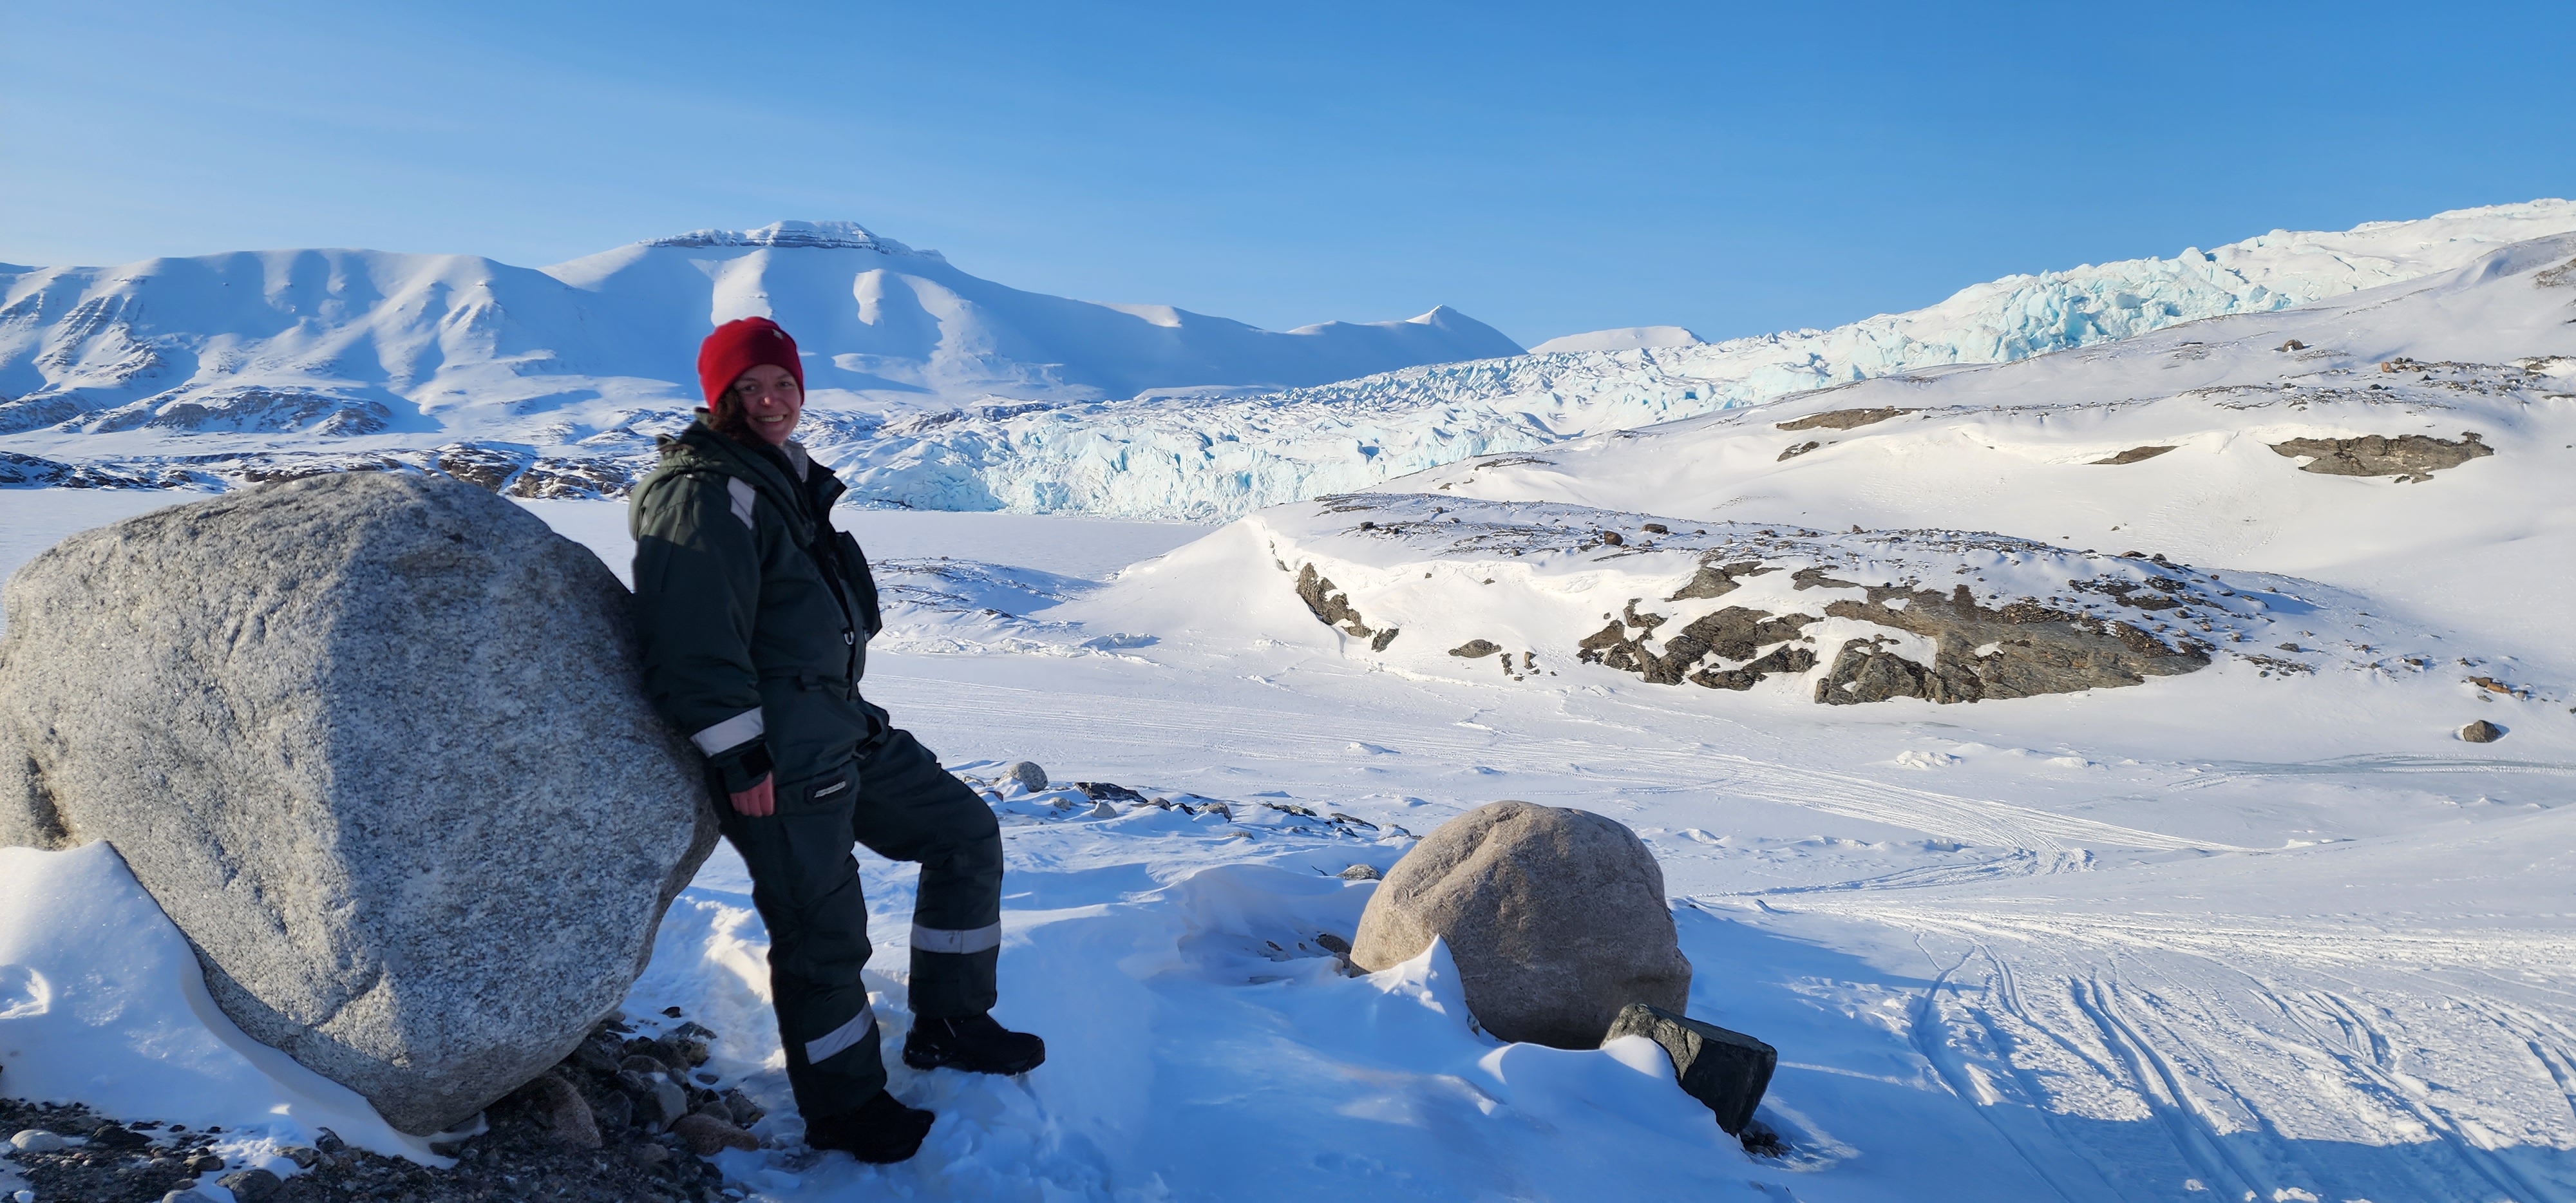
(375,741)
(1556,919)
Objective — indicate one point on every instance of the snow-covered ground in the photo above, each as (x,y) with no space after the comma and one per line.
(2259,928)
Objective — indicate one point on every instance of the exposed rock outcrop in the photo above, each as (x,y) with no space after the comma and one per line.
(1333,608)
(375,741)
(2132,455)
(2409,457)
(1734,633)
(2019,650)
(1843,419)
(1556,919)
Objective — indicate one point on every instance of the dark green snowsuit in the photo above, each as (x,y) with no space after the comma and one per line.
(754,616)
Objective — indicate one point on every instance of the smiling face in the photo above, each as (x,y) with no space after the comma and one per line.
(770,401)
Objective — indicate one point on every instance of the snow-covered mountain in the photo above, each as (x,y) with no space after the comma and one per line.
(1625,338)
(318,345)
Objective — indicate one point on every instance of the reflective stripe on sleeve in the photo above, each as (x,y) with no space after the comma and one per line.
(733,732)
(842,1037)
(741,492)
(941,939)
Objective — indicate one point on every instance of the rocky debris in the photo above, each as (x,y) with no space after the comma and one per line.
(1726,1070)
(252,1185)
(2481,732)
(1656,528)
(1475,649)
(109,1163)
(1798,449)
(1333,609)
(1842,419)
(523,1153)
(35,472)
(1027,773)
(554,479)
(2019,650)
(376,743)
(1556,919)
(482,467)
(283,466)
(1357,873)
(2410,457)
(1612,538)
(2491,685)
(2133,455)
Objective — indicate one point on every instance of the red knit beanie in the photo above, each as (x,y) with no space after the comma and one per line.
(740,345)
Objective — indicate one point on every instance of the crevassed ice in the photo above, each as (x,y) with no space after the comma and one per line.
(1217,458)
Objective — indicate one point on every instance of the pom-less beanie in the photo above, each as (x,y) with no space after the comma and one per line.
(740,345)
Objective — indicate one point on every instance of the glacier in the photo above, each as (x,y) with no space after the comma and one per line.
(1202,458)
(933,389)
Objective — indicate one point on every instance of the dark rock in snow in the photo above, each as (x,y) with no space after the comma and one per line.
(1556,919)
(2412,457)
(1798,449)
(1734,633)
(1028,774)
(1333,609)
(1863,673)
(1726,1070)
(2133,455)
(1786,659)
(1716,580)
(1475,649)
(376,742)
(1359,873)
(1842,419)
(2481,732)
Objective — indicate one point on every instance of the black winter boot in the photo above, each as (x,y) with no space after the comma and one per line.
(879,1130)
(975,1044)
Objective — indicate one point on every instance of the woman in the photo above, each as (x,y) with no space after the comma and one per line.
(754,616)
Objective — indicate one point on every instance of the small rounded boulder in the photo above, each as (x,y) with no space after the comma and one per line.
(1556,919)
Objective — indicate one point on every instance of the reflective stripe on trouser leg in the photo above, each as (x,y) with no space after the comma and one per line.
(831,1043)
(941,939)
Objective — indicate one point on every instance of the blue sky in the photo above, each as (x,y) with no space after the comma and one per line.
(1547,168)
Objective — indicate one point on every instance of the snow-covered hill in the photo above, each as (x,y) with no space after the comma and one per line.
(314,347)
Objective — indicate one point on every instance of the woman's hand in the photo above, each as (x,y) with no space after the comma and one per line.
(758,802)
